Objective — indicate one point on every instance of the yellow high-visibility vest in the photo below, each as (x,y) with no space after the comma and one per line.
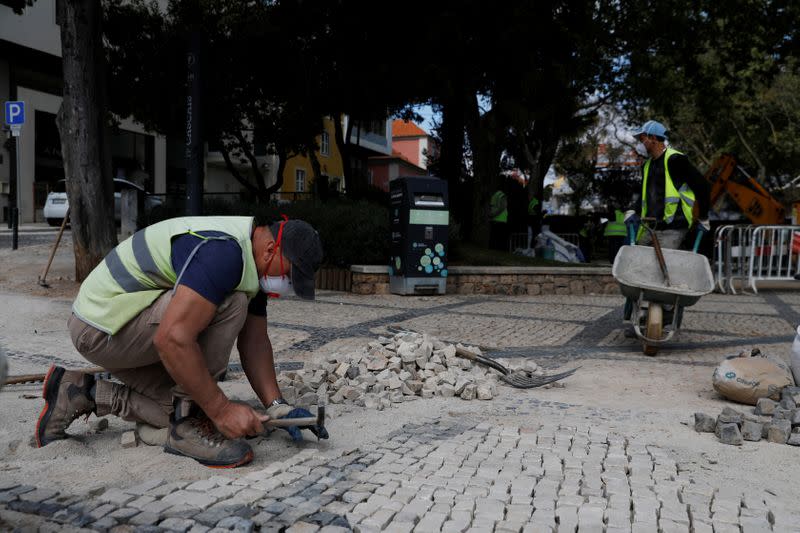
(135,273)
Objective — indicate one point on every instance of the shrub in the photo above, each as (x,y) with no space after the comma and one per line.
(352,232)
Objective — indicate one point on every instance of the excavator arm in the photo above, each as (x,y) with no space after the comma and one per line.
(726,176)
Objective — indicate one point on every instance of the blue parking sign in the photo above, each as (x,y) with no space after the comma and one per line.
(15,113)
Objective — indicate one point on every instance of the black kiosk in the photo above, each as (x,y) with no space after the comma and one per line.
(419,223)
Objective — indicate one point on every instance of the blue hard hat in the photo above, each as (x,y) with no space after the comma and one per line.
(651,127)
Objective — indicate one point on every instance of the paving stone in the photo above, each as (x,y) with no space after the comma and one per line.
(236,523)
(124,514)
(302,527)
(38,495)
(144,519)
(99,512)
(193,499)
(142,488)
(729,433)
(104,523)
(176,524)
(779,431)
(141,502)
(117,497)
(158,506)
(751,431)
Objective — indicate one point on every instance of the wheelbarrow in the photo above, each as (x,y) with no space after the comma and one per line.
(652,278)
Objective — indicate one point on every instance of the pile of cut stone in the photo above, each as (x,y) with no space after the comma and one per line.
(402,368)
(775,421)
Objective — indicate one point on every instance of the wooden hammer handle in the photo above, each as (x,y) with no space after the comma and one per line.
(33,378)
(289,422)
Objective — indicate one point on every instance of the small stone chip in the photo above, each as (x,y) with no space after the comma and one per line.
(765,406)
(704,423)
(779,431)
(751,431)
(729,434)
(128,439)
(99,425)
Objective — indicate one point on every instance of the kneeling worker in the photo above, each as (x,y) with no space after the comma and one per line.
(162,311)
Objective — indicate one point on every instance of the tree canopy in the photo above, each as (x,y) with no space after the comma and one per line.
(515,82)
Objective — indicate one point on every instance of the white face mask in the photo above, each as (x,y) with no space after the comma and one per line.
(276,286)
(641,150)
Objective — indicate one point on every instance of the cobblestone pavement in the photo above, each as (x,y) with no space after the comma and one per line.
(435,477)
(517,464)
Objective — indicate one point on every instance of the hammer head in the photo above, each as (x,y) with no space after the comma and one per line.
(321,432)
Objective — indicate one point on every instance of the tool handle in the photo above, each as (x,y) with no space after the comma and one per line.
(291,422)
(466,354)
(32,378)
(697,239)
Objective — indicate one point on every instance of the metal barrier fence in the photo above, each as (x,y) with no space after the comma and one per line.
(750,254)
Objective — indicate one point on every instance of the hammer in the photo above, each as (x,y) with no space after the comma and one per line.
(318,422)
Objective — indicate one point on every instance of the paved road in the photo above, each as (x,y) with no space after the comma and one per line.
(517,464)
(29,235)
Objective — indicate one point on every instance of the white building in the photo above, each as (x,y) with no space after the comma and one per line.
(30,71)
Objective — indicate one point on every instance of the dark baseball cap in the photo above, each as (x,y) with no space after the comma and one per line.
(301,245)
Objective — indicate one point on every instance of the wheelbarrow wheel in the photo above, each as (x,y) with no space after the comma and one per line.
(655,317)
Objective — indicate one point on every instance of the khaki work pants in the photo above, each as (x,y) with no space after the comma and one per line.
(148,391)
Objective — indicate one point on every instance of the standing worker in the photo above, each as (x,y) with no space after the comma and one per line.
(162,311)
(670,187)
(615,233)
(498,221)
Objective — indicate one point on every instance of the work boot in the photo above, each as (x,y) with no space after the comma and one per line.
(66,396)
(192,434)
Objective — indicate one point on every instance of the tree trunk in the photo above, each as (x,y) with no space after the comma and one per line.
(485,141)
(84,134)
(320,182)
(282,156)
(343,143)
(539,144)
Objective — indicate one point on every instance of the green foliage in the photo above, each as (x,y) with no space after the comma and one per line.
(724,78)
(352,232)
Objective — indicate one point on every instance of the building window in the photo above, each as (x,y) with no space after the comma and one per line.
(370,177)
(325,144)
(300,180)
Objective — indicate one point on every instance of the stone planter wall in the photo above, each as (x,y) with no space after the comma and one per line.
(368,279)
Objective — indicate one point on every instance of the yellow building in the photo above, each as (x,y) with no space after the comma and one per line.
(298,175)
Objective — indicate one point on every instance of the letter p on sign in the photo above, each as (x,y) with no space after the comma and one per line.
(15,113)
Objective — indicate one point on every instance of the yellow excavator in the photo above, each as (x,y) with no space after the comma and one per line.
(726,176)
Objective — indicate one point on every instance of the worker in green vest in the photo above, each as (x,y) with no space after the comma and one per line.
(162,312)
(615,233)
(498,221)
(671,186)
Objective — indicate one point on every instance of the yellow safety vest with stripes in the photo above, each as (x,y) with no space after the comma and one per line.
(497,200)
(135,273)
(672,196)
(616,228)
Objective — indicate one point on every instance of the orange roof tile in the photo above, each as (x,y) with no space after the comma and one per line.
(401,128)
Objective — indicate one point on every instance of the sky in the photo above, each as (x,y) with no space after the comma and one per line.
(429,117)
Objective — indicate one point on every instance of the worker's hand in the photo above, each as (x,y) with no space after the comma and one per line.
(239,420)
(631,216)
(704,225)
(294,431)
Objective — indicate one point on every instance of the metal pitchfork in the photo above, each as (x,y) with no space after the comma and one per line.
(521,379)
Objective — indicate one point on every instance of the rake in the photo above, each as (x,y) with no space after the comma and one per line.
(521,379)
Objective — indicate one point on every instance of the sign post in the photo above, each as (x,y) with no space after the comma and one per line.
(15,118)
